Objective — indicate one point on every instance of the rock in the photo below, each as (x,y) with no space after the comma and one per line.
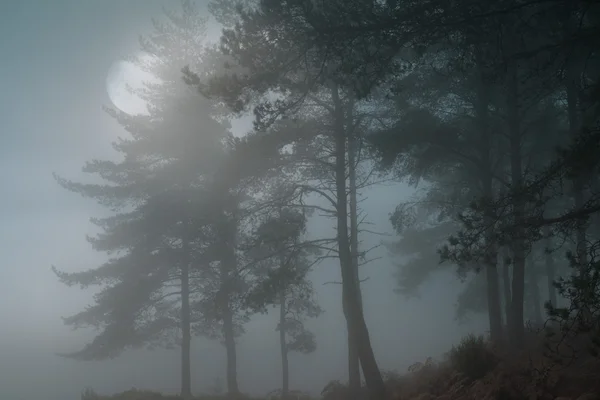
(563,398)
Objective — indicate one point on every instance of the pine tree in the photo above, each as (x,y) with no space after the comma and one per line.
(162,210)
(284,260)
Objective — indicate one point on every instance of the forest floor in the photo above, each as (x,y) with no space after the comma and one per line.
(473,370)
(541,372)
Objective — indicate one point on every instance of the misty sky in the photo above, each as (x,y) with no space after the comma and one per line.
(55,56)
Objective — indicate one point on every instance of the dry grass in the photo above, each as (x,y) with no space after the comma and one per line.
(473,370)
(527,375)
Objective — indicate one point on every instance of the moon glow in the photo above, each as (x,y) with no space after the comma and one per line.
(123,78)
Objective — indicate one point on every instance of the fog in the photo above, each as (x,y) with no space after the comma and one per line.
(55,59)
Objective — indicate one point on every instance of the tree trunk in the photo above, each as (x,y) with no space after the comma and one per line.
(493,297)
(506,284)
(577,184)
(186,337)
(516,326)
(536,299)
(355,317)
(228,265)
(572,88)
(229,335)
(285,371)
(354,382)
(354,379)
(491,257)
(595,218)
(550,269)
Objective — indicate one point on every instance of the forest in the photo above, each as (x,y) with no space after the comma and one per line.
(490,110)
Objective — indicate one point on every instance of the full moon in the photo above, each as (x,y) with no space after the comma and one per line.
(123,78)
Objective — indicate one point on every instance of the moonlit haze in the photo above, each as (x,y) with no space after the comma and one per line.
(62,63)
(122,80)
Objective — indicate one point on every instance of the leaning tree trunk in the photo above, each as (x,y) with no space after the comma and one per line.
(186,337)
(355,317)
(354,380)
(285,371)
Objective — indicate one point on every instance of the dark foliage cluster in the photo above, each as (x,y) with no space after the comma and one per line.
(473,357)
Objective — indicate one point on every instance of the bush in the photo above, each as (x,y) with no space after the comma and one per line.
(472,357)
(336,390)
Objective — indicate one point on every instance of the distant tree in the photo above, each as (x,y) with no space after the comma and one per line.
(237,194)
(221,309)
(225,12)
(284,263)
(452,153)
(529,71)
(217,387)
(423,225)
(158,233)
(462,85)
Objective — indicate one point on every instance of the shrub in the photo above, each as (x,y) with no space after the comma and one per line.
(335,390)
(472,357)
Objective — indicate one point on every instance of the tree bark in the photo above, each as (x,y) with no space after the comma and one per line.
(229,335)
(285,371)
(354,378)
(493,297)
(516,326)
(186,337)
(577,182)
(595,218)
(572,89)
(506,284)
(354,382)
(550,269)
(228,265)
(536,298)
(491,257)
(355,316)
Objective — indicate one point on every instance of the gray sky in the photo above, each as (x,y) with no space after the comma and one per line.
(55,59)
